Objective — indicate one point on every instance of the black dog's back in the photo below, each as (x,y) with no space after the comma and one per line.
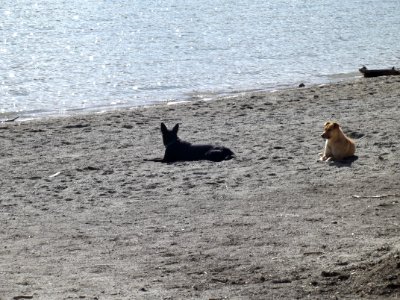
(177,150)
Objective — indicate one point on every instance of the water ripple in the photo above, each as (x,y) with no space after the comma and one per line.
(58,56)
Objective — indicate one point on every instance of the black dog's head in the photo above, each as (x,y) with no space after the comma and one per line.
(169,136)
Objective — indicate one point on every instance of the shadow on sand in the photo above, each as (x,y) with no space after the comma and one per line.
(347,162)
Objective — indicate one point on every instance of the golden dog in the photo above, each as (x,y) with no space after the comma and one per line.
(337,146)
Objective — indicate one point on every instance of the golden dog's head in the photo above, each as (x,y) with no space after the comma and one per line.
(330,130)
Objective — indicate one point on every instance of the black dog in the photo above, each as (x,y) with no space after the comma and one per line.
(177,150)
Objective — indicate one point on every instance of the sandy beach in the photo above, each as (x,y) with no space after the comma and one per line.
(85,216)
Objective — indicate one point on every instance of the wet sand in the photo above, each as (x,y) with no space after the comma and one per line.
(85,216)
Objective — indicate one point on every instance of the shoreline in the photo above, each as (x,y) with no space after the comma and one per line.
(189,97)
(84,215)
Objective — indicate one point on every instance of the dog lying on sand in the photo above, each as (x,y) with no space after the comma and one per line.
(337,146)
(177,150)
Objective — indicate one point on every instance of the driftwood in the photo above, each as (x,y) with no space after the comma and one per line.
(378,72)
(9,120)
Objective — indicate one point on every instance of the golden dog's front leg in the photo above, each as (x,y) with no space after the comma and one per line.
(327,155)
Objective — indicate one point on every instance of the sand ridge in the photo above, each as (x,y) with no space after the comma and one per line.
(85,216)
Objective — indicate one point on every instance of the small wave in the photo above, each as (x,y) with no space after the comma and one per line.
(18,92)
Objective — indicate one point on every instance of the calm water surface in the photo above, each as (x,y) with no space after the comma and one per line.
(58,56)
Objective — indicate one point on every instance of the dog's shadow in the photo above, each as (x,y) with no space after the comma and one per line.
(347,162)
(154,160)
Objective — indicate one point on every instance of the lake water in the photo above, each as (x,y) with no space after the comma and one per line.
(59,56)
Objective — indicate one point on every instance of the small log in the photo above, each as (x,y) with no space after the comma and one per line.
(378,72)
(9,120)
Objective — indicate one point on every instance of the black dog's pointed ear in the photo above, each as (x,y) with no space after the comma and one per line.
(175,129)
(163,128)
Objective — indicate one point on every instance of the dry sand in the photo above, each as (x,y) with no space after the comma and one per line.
(84,216)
